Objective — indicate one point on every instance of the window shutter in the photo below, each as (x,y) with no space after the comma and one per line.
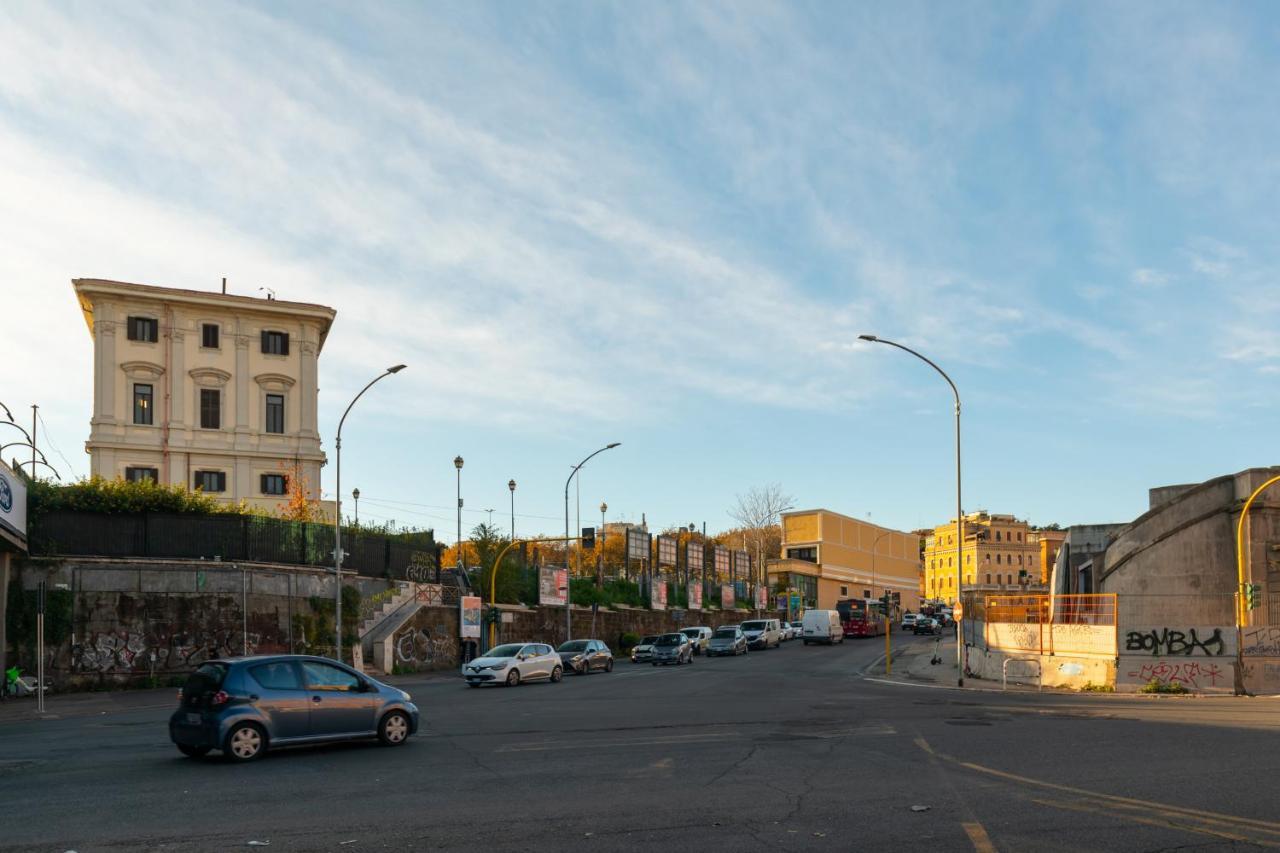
(265,345)
(262,483)
(284,343)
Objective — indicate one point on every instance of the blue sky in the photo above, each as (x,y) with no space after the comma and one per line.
(666,224)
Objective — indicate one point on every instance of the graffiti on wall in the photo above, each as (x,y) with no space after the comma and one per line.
(1262,641)
(1190,674)
(116,652)
(424,648)
(1172,642)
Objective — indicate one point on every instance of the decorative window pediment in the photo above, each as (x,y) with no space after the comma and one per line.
(142,370)
(274,381)
(209,377)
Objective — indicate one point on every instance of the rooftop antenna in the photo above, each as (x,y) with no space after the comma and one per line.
(224,285)
(271,294)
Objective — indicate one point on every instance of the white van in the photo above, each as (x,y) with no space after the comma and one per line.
(822,626)
(762,633)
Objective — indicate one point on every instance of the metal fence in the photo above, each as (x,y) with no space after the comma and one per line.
(233,538)
(1043,624)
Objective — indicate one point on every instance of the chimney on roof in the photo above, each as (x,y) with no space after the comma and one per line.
(224,285)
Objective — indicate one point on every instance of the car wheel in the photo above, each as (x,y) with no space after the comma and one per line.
(690,660)
(394,729)
(193,751)
(608,665)
(513,677)
(582,670)
(556,674)
(245,742)
(473,684)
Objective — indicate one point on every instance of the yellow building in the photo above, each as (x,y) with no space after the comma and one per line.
(1050,543)
(1001,553)
(829,557)
(214,391)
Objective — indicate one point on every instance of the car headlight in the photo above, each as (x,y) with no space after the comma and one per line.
(497,666)
(405,696)
(577,658)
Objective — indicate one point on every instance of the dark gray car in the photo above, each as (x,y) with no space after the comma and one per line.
(584,656)
(727,640)
(242,706)
(672,648)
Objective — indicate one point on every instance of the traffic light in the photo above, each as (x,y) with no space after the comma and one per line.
(1252,595)
(588,537)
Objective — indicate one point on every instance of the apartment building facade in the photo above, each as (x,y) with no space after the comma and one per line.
(218,392)
(1000,553)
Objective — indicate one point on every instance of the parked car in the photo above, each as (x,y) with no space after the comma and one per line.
(698,635)
(644,649)
(784,630)
(797,629)
(584,656)
(727,640)
(908,621)
(244,706)
(822,626)
(762,633)
(513,663)
(672,648)
(926,625)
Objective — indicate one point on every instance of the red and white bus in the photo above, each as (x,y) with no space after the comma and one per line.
(861,617)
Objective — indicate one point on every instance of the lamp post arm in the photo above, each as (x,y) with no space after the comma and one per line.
(929,362)
(25,434)
(343,419)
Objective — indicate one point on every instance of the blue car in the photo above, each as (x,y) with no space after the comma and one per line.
(242,706)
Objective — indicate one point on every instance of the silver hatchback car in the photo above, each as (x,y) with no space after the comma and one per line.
(242,706)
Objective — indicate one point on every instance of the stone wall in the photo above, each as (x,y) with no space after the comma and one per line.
(150,622)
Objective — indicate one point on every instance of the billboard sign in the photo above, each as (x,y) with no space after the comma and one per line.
(726,596)
(667,549)
(762,597)
(695,595)
(722,563)
(658,594)
(781,602)
(553,585)
(693,556)
(637,544)
(13,507)
(470,616)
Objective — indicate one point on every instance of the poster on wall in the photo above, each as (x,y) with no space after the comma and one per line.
(762,598)
(553,585)
(695,595)
(667,550)
(13,507)
(470,618)
(726,596)
(658,595)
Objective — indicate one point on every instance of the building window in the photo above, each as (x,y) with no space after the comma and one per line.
(209,335)
(274,484)
(998,556)
(997,535)
(143,398)
(275,343)
(988,577)
(844,592)
(139,475)
(1019,559)
(1019,536)
(807,554)
(275,413)
(210,408)
(211,481)
(145,329)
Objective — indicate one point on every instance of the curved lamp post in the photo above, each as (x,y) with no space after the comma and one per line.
(511,486)
(959,512)
(568,612)
(460,562)
(337,514)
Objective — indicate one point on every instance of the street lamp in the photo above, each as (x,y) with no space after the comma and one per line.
(604,507)
(337,513)
(355,496)
(457,463)
(511,484)
(568,613)
(959,511)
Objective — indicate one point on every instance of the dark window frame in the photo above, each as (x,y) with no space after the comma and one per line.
(271,409)
(210,414)
(139,473)
(271,479)
(145,415)
(275,342)
(205,329)
(219,481)
(142,329)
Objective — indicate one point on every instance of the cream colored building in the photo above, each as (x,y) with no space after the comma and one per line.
(213,391)
(829,557)
(1001,554)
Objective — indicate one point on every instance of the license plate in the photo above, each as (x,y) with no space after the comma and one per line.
(194,719)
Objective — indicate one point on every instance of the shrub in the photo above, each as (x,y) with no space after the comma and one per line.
(1090,687)
(1155,685)
(628,641)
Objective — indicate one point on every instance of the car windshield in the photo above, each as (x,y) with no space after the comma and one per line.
(726,633)
(650,640)
(690,632)
(573,646)
(671,639)
(510,650)
(753,626)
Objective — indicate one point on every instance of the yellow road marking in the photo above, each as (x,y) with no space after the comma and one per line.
(978,835)
(1113,810)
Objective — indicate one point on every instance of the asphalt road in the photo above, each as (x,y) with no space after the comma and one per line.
(790,749)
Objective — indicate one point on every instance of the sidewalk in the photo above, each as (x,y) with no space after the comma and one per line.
(913,665)
(60,706)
